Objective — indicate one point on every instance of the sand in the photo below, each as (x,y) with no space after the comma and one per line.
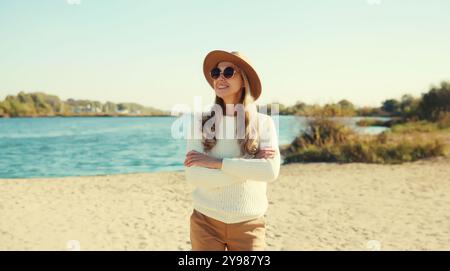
(317,206)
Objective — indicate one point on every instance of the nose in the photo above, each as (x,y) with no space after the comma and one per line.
(221,77)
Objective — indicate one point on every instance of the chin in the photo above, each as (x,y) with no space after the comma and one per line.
(222,93)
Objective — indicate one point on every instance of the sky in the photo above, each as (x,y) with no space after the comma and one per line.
(151,52)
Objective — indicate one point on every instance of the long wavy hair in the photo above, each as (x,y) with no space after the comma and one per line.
(249,145)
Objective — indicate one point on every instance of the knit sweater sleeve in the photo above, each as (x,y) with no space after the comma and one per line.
(266,170)
(206,177)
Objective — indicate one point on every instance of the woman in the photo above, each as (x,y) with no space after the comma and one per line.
(230,175)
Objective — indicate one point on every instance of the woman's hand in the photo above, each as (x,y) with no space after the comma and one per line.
(195,158)
(266,153)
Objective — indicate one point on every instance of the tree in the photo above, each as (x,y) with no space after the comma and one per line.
(346,104)
(435,102)
(391,106)
(109,108)
(299,108)
(409,106)
(121,107)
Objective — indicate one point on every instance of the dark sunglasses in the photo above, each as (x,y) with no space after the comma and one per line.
(228,72)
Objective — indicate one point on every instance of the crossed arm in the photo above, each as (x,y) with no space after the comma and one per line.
(206,171)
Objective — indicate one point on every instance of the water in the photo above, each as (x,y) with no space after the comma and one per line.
(56,147)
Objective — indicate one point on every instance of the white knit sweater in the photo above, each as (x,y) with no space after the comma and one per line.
(236,192)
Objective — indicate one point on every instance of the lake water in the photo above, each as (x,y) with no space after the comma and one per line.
(55,147)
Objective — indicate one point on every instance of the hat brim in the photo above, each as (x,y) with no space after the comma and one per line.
(215,57)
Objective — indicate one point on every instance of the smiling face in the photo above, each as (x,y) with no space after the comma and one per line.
(229,89)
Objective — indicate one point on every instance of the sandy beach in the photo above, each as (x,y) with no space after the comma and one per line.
(315,206)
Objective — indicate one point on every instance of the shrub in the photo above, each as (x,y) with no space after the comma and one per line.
(327,141)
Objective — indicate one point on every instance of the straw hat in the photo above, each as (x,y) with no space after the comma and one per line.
(214,57)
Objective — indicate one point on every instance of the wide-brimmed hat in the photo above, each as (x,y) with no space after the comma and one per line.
(215,57)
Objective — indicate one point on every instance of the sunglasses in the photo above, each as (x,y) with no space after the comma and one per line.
(228,72)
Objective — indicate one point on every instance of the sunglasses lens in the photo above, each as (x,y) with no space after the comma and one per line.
(215,73)
(228,72)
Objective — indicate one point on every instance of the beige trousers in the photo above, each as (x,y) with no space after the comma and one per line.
(207,234)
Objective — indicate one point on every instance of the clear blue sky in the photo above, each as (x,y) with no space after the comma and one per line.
(151,52)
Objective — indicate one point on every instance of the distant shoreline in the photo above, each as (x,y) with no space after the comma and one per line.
(123,115)
(82,116)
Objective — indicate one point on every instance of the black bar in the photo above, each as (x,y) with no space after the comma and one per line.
(189,260)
